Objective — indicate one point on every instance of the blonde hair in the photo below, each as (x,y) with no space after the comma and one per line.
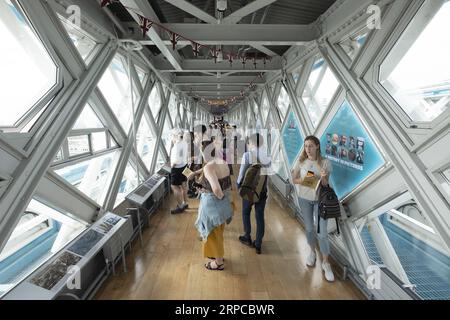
(304,156)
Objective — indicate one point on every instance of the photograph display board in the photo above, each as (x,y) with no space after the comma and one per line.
(292,137)
(353,154)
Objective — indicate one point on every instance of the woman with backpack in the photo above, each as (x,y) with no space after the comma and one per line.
(311,170)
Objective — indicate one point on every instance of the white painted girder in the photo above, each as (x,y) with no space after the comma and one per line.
(143,7)
(200,80)
(208,65)
(241,34)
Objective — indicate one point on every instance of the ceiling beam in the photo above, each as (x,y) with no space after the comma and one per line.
(145,9)
(193,10)
(223,87)
(240,34)
(254,6)
(215,95)
(208,65)
(217,92)
(205,80)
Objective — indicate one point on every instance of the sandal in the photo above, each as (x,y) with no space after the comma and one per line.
(212,258)
(218,266)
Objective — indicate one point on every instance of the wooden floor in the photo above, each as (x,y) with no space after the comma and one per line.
(170,266)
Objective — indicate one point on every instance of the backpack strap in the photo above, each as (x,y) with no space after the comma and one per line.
(318,223)
(337,226)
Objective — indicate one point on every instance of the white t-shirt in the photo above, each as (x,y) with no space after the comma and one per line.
(308,165)
(179,154)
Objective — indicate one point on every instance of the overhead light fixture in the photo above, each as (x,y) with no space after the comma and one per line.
(221,5)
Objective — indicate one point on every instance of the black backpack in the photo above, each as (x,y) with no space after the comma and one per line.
(328,206)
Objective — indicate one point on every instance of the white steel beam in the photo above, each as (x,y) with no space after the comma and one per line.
(241,34)
(201,80)
(145,9)
(196,65)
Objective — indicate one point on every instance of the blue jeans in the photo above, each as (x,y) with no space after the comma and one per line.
(259,215)
(309,209)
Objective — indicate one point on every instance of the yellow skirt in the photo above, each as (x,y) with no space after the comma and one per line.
(213,246)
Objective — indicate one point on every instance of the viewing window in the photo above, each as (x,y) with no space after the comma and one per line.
(129,183)
(39,234)
(403,240)
(416,73)
(88,136)
(82,41)
(154,101)
(265,107)
(353,44)
(141,74)
(115,86)
(319,90)
(28,72)
(283,103)
(166,136)
(92,177)
(145,143)
(173,112)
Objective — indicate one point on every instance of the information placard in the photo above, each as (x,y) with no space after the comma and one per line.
(292,137)
(348,146)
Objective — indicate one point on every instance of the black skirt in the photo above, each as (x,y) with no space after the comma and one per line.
(177,177)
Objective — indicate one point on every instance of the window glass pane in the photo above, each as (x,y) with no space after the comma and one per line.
(166,140)
(154,101)
(112,142)
(283,102)
(84,43)
(93,176)
(88,119)
(277,155)
(353,44)
(265,107)
(425,93)
(255,110)
(182,110)
(129,183)
(99,141)
(403,240)
(39,234)
(31,124)
(320,89)
(249,116)
(145,143)
(78,145)
(446,180)
(141,74)
(173,108)
(296,74)
(27,72)
(115,86)
(160,161)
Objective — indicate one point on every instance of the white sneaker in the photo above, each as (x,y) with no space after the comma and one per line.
(311,259)
(326,267)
